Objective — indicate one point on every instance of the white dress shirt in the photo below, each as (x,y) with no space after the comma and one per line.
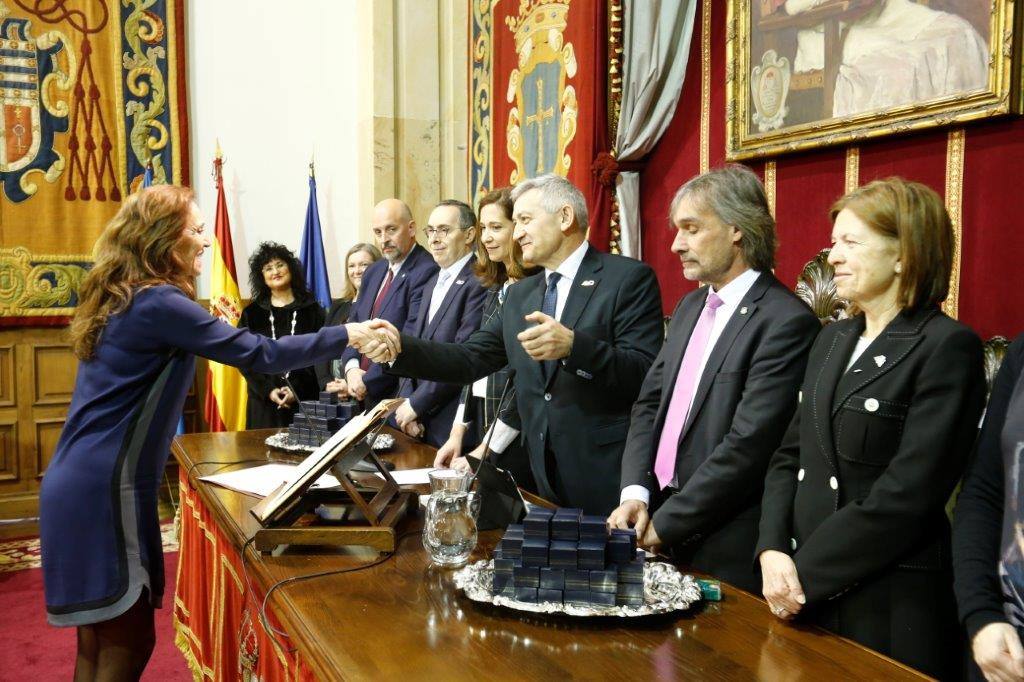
(732,294)
(445,279)
(503,433)
(395,268)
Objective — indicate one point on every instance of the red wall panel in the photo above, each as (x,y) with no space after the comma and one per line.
(991,295)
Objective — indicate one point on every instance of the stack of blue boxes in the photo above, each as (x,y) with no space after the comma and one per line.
(321,419)
(567,557)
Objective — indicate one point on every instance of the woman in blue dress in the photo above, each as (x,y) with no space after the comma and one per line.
(137,330)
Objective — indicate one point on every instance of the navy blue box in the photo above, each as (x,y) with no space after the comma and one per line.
(565,524)
(526,594)
(604,580)
(593,527)
(590,555)
(328,397)
(563,554)
(619,549)
(602,598)
(514,530)
(552,579)
(549,595)
(628,533)
(308,408)
(510,548)
(632,572)
(536,525)
(526,576)
(535,551)
(630,590)
(576,597)
(504,566)
(577,580)
(500,582)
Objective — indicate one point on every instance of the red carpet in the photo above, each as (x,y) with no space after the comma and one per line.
(32,649)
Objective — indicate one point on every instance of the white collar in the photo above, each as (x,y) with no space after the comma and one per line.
(455,268)
(733,292)
(571,265)
(395,267)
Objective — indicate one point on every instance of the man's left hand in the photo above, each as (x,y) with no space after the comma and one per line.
(548,340)
(650,541)
(405,415)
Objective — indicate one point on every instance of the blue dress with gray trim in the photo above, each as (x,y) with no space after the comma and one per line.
(98,525)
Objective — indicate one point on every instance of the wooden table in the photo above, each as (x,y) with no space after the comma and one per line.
(405,617)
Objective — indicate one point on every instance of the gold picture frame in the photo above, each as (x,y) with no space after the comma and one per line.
(805,74)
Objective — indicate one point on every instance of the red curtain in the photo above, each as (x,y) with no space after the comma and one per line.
(807,183)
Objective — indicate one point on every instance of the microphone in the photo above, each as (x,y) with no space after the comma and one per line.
(490,432)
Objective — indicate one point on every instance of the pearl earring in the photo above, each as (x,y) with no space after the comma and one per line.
(899,268)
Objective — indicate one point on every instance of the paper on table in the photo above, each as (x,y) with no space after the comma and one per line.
(262,480)
(410,476)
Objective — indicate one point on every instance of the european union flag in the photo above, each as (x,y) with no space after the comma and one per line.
(312,253)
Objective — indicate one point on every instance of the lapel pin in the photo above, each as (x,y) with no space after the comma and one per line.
(879,360)
(857,371)
(587,283)
(460,281)
(743,310)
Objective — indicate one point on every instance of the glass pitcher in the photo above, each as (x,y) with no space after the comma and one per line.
(449,531)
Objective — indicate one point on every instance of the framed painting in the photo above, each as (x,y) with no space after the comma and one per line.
(813,73)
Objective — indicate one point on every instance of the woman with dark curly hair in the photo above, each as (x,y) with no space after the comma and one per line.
(281,306)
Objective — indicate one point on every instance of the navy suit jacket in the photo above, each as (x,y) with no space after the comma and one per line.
(400,305)
(580,414)
(456,318)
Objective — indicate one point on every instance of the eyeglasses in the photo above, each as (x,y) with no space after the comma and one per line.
(275,267)
(442,231)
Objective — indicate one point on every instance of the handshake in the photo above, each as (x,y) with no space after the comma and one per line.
(377,339)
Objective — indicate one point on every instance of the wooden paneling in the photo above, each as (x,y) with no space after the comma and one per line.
(8,450)
(8,386)
(53,371)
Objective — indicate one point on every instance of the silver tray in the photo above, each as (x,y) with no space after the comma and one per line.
(280,441)
(665,590)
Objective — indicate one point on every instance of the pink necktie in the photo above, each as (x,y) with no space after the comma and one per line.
(682,393)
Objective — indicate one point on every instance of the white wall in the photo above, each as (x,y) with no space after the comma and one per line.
(276,84)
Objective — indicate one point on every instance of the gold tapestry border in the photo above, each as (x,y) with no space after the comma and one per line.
(852,169)
(769,185)
(39,285)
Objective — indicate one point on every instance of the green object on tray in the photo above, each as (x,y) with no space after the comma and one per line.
(711,590)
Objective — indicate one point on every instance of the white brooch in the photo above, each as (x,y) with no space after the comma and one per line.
(879,360)
(587,283)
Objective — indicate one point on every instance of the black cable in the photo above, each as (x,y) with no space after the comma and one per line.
(223,465)
(272,631)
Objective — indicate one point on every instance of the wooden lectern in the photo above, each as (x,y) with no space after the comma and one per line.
(371,514)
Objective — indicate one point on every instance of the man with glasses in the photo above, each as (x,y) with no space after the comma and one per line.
(391,290)
(580,336)
(451,309)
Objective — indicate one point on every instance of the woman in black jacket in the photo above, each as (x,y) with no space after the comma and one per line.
(988,562)
(854,535)
(281,306)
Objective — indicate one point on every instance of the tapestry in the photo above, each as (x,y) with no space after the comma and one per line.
(91,93)
(538,76)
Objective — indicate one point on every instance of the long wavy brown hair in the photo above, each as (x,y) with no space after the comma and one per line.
(140,247)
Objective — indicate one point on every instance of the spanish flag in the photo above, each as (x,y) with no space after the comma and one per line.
(225,387)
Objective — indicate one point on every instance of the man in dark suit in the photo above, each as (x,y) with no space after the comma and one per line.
(391,290)
(715,404)
(450,310)
(579,336)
